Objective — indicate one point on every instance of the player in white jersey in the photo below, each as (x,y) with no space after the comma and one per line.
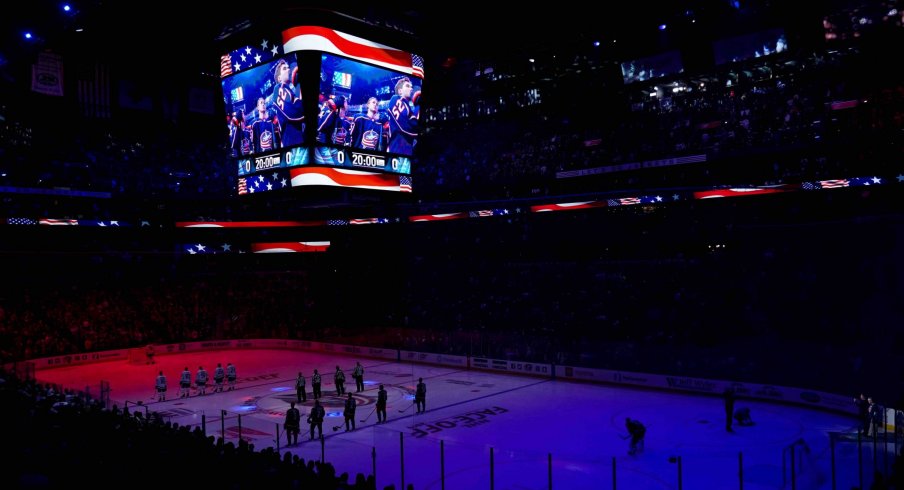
(160,385)
(218,376)
(184,383)
(201,380)
(230,376)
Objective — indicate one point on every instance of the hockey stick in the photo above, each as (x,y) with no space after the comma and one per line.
(368,415)
(336,427)
(406,408)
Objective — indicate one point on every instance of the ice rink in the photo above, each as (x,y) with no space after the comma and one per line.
(534,430)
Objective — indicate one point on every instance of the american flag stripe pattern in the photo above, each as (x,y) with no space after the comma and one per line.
(744,191)
(264,182)
(629,201)
(833,184)
(225,66)
(248,224)
(339,177)
(437,217)
(289,247)
(368,221)
(58,222)
(417,66)
(248,56)
(404,183)
(567,206)
(841,183)
(314,38)
(482,213)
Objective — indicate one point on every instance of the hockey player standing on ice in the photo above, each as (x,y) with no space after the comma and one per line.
(420,396)
(161,387)
(315,384)
(382,396)
(292,424)
(316,418)
(201,380)
(339,379)
(230,376)
(184,383)
(358,374)
(350,406)
(300,388)
(218,376)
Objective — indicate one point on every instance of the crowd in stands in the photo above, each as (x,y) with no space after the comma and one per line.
(776,121)
(687,288)
(65,435)
(780,119)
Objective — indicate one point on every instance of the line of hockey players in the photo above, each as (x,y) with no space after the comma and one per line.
(221,376)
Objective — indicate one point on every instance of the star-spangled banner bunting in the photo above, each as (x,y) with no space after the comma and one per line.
(567,206)
(315,38)
(839,183)
(210,249)
(248,56)
(273,180)
(289,247)
(628,201)
(483,213)
(369,221)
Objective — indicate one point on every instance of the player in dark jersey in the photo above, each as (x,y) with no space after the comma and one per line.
(331,121)
(403,118)
(239,137)
(265,129)
(367,129)
(343,131)
(289,110)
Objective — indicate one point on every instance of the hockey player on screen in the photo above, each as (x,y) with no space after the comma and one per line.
(265,129)
(332,127)
(239,135)
(289,110)
(403,118)
(367,129)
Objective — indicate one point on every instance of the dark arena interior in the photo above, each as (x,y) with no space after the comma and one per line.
(656,248)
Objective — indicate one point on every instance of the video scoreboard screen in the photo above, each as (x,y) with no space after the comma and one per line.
(359,131)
